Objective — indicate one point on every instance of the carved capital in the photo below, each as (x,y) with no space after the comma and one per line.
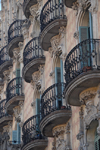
(93,9)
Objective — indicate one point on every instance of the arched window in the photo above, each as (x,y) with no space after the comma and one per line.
(97,141)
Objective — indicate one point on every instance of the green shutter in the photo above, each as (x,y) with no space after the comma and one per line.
(57,75)
(18,72)
(37,113)
(59,88)
(91,26)
(83,33)
(14,137)
(97,142)
(37,106)
(18,133)
(17,80)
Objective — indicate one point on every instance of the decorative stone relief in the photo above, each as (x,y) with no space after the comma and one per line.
(21,51)
(18,112)
(16,55)
(33,10)
(88,95)
(76,35)
(56,47)
(37,79)
(6,75)
(25,29)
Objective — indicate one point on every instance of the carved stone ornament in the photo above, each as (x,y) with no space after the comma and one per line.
(18,112)
(93,9)
(58,130)
(24,29)
(56,47)
(80,5)
(76,35)
(37,78)
(59,142)
(88,95)
(34,10)
(16,55)
(6,75)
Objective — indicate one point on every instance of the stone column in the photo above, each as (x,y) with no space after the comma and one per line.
(68,144)
(80,135)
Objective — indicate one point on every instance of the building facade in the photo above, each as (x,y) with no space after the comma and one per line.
(50,75)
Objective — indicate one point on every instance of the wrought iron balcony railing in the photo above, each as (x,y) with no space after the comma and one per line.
(32,51)
(51,99)
(2,108)
(51,11)
(14,88)
(31,130)
(15,29)
(82,58)
(4,55)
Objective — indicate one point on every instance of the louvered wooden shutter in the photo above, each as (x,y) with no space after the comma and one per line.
(83,33)
(37,113)
(17,81)
(85,47)
(18,133)
(58,89)
(14,137)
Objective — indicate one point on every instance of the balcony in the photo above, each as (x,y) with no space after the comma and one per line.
(26,7)
(69,3)
(52,110)
(82,67)
(14,94)
(14,36)
(33,57)
(52,18)
(4,117)
(32,138)
(5,61)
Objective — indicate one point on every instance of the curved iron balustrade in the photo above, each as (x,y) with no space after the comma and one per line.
(81,58)
(51,99)
(32,51)
(14,88)
(15,29)
(31,129)
(53,9)
(2,108)
(4,55)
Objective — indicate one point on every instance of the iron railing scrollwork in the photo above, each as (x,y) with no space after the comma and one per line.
(82,58)
(2,108)
(14,88)
(31,130)
(4,55)
(15,30)
(32,51)
(52,99)
(53,9)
